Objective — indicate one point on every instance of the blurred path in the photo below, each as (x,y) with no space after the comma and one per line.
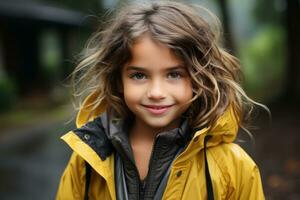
(278,153)
(32,161)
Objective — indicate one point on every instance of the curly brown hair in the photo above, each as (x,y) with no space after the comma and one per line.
(215,74)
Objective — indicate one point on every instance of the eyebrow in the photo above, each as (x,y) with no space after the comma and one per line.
(138,68)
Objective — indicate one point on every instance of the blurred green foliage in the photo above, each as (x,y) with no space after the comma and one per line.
(263,59)
(8,96)
(51,56)
(268,11)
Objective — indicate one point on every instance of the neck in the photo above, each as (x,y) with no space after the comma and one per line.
(142,131)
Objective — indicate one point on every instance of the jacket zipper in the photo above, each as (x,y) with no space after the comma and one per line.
(142,190)
(138,180)
(145,185)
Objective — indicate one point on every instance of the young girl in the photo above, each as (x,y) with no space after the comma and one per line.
(163,108)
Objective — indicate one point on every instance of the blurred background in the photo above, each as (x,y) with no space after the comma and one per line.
(39,43)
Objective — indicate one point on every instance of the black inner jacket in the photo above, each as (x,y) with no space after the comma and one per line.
(106,136)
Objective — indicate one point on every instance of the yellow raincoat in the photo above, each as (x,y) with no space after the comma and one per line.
(233,173)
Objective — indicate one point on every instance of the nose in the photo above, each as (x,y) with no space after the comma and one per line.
(156,90)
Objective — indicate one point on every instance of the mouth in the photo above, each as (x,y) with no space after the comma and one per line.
(157,109)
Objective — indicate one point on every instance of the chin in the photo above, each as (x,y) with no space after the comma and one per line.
(156,125)
(160,124)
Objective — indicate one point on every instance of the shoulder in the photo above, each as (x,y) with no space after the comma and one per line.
(231,154)
(232,161)
(72,179)
(76,167)
(76,161)
(235,165)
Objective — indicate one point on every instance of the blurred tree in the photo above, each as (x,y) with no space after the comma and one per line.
(284,14)
(228,35)
(292,17)
(264,59)
(269,12)
(90,6)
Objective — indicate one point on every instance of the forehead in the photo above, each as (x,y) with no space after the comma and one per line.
(147,52)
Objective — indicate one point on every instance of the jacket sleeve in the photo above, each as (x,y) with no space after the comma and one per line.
(251,186)
(247,177)
(72,182)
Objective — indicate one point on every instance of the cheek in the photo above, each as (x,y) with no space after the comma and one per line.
(131,94)
(184,91)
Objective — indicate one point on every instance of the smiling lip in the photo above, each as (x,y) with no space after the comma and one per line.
(157,109)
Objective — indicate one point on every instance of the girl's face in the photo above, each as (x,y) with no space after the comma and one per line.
(156,85)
